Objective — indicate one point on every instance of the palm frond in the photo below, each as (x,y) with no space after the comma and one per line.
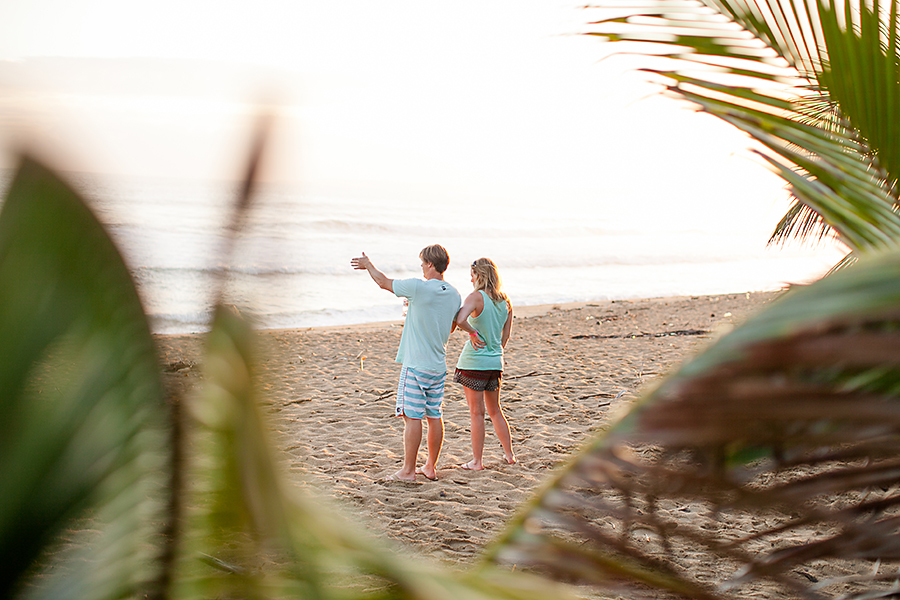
(772,69)
(83,431)
(862,74)
(235,500)
(97,471)
(801,222)
(250,533)
(773,453)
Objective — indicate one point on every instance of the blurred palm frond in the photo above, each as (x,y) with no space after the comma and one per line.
(83,422)
(111,492)
(258,536)
(774,453)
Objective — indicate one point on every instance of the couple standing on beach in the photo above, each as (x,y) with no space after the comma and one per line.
(434,312)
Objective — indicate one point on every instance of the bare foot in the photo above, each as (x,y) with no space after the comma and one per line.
(511,460)
(398,477)
(430,477)
(472,466)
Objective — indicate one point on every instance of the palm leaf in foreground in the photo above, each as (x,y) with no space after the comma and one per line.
(773,454)
(93,486)
(768,68)
(250,533)
(82,419)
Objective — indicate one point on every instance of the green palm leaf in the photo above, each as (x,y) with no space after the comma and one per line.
(107,493)
(250,533)
(821,96)
(774,453)
(801,222)
(236,504)
(82,416)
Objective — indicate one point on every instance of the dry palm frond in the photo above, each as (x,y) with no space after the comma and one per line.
(772,455)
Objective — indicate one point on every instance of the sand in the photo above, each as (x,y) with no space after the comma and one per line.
(570,370)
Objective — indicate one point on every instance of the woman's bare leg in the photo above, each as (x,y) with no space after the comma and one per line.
(475,400)
(501,427)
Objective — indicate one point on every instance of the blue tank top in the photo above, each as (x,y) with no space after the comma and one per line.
(489,325)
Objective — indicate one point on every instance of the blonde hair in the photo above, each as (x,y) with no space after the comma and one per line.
(436,255)
(487,278)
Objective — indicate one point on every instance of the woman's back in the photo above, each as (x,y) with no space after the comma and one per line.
(489,324)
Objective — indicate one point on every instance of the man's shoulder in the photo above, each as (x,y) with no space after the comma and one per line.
(405,287)
(439,286)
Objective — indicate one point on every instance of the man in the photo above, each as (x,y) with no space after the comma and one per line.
(433,304)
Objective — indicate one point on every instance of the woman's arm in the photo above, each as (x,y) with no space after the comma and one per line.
(507,327)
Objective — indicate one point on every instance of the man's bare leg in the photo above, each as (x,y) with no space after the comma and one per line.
(435,442)
(412,439)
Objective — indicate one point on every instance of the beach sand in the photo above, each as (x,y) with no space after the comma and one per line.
(570,370)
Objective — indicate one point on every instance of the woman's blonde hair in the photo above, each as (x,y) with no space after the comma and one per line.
(487,278)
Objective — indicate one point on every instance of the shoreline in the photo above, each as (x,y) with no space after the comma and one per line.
(524,312)
(571,369)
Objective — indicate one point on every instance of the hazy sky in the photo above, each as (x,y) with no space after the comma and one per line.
(477,95)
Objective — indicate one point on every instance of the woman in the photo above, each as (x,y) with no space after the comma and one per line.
(486,315)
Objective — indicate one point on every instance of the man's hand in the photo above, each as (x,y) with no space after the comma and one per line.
(362,263)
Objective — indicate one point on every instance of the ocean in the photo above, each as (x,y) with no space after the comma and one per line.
(291,265)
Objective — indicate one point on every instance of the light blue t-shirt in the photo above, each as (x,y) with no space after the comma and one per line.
(433,304)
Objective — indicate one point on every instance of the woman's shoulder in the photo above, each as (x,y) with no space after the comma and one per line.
(503,304)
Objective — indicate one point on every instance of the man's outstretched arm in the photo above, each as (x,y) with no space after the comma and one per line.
(364,264)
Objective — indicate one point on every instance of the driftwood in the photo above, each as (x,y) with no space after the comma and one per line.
(642,335)
(532,374)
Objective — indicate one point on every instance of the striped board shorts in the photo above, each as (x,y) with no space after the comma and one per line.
(420,394)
